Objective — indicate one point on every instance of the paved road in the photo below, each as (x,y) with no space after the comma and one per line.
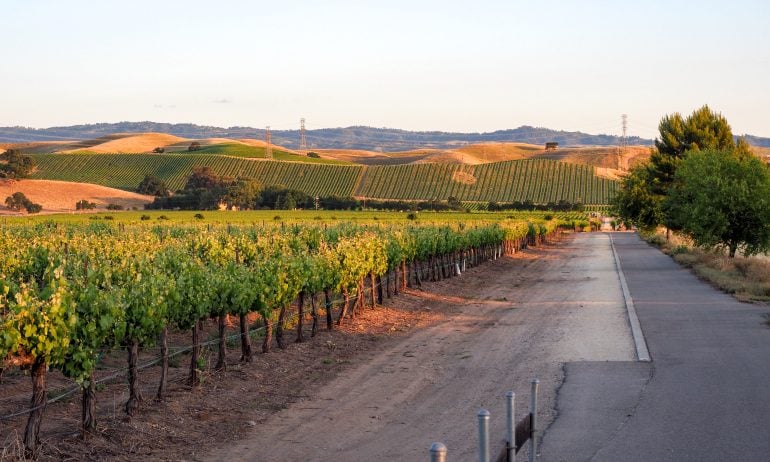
(507,322)
(704,397)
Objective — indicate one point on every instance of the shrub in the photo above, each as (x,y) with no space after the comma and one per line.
(198,216)
(411,216)
(314,155)
(114,207)
(34,208)
(18,201)
(144,217)
(83,204)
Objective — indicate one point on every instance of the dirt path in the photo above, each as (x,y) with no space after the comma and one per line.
(523,319)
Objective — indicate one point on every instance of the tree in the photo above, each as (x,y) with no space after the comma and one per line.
(202,178)
(701,130)
(650,182)
(194,146)
(18,201)
(721,198)
(15,165)
(153,186)
(159,150)
(454,203)
(243,193)
(83,204)
(635,202)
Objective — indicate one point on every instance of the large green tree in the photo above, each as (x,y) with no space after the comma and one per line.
(636,203)
(721,198)
(641,200)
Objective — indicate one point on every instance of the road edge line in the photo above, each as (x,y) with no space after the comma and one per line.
(642,353)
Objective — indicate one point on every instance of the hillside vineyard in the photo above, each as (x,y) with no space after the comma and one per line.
(539,181)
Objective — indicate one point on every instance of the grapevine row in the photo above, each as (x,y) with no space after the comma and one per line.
(70,293)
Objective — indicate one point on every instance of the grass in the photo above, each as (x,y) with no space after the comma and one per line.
(256,152)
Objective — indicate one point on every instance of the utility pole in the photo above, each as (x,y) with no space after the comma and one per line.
(302,138)
(268,143)
(623,143)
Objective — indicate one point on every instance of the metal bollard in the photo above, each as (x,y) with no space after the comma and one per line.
(483,435)
(533,411)
(438,452)
(510,400)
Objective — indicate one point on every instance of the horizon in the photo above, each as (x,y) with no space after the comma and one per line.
(425,66)
(316,128)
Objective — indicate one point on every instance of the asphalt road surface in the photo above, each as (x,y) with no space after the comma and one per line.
(704,397)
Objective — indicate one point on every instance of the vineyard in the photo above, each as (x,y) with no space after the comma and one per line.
(126,171)
(540,181)
(248,151)
(73,293)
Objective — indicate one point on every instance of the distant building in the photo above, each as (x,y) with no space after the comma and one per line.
(551,146)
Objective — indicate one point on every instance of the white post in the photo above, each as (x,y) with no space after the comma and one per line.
(483,416)
(438,452)
(533,413)
(510,400)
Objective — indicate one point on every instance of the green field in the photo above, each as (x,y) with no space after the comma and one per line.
(540,181)
(290,216)
(251,152)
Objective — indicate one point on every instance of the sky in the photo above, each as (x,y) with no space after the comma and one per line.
(417,65)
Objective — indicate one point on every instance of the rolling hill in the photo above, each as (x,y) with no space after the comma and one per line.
(357,137)
(61,196)
(539,180)
(125,143)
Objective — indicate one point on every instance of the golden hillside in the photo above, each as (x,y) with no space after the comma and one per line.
(128,144)
(61,196)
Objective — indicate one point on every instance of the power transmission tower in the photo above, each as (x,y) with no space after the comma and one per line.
(268,143)
(302,138)
(623,143)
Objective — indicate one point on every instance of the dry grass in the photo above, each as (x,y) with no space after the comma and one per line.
(61,196)
(498,152)
(746,278)
(143,142)
(600,156)
(605,158)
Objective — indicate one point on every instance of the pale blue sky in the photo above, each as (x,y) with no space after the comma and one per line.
(419,65)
